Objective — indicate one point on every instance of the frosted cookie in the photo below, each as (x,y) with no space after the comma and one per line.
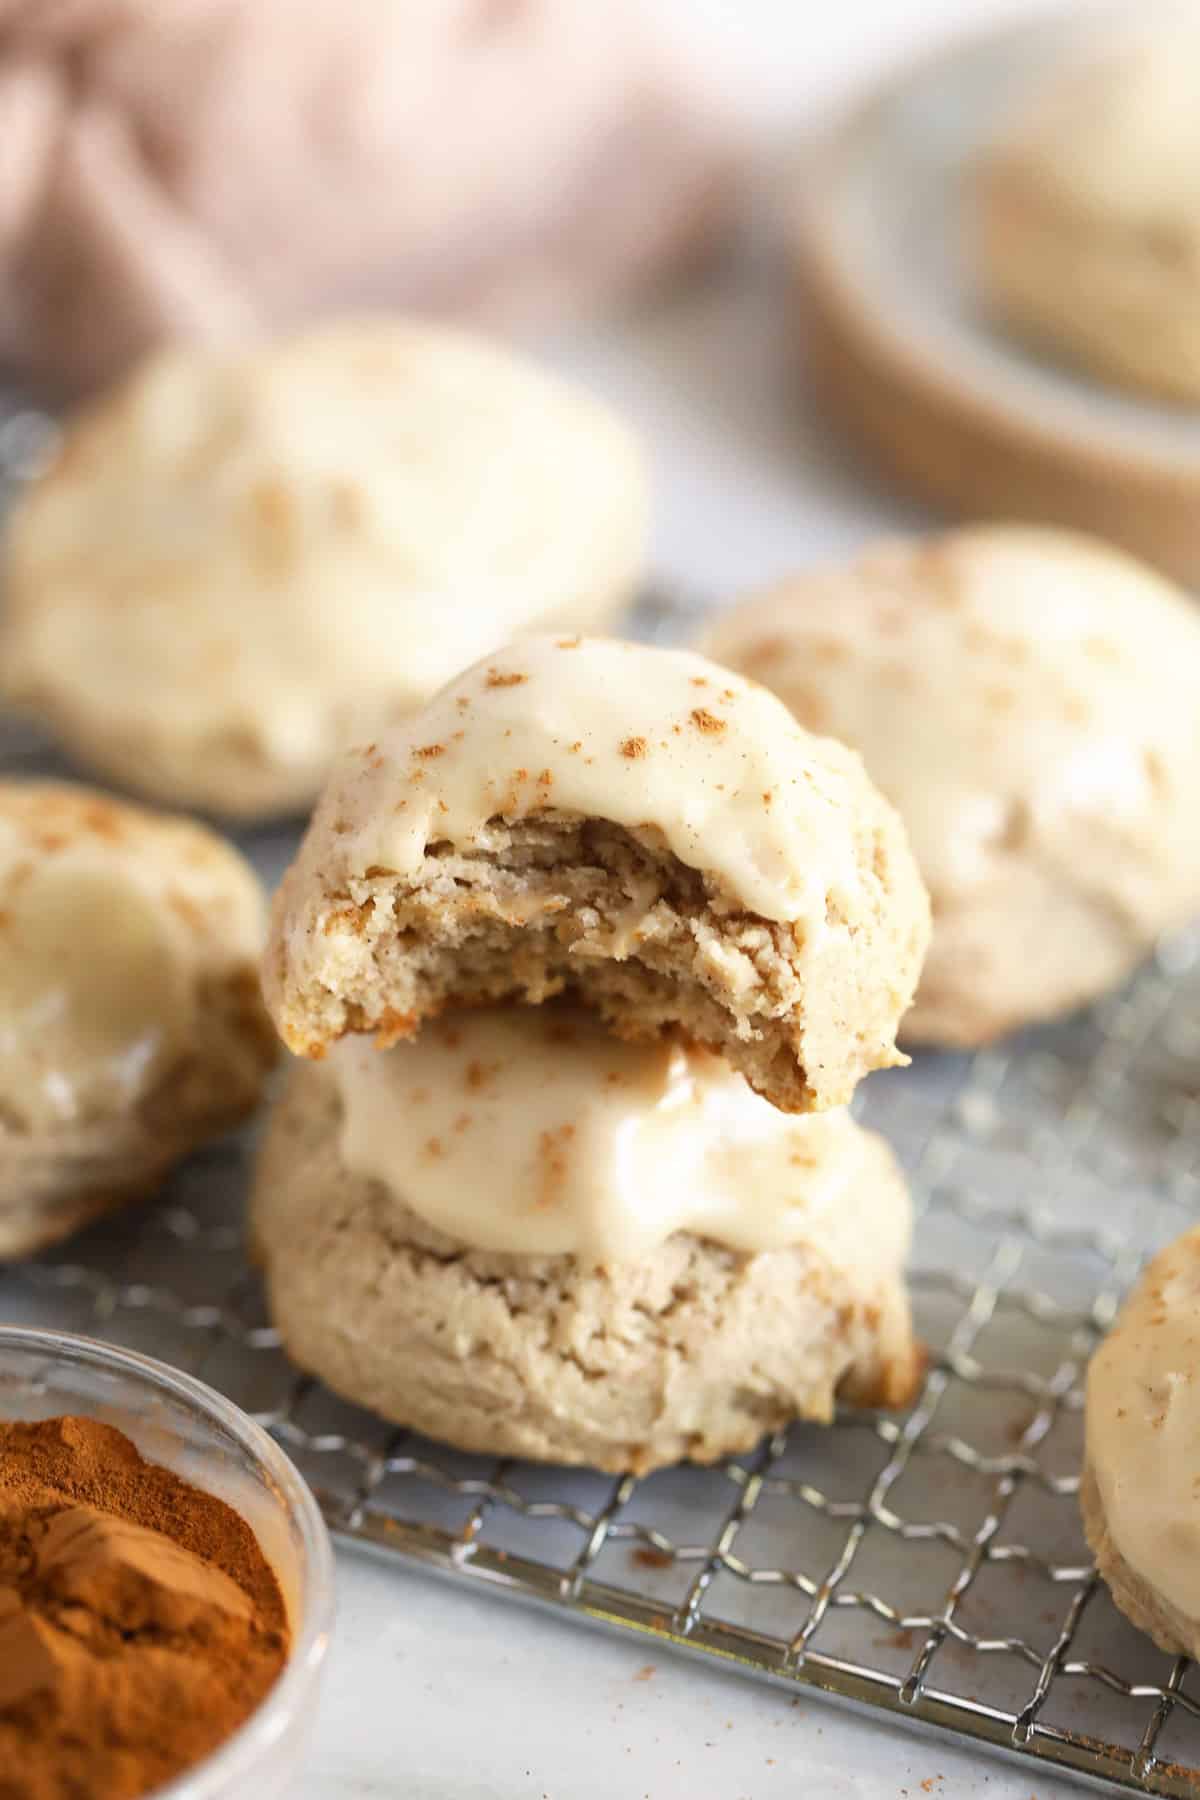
(131,1028)
(240,560)
(631,824)
(1027,701)
(1088,215)
(524,1236)
(1142,1457)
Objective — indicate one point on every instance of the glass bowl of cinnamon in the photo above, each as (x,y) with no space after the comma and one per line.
(166,1580)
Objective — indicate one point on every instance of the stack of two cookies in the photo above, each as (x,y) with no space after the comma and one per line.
(511,1201)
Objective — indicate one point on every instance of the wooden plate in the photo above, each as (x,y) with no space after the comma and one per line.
(900,349)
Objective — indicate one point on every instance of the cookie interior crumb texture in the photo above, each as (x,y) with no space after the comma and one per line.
(133,1029)
(1026,700)
(242,559)
(628,824)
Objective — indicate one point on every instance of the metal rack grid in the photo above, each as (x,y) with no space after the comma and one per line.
(930,1565)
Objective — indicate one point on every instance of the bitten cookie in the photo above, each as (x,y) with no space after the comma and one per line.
(523,1236)
(1142,1457)
(1087,230)
(631,824)
(240,561)
(1027,700)
(131,1028)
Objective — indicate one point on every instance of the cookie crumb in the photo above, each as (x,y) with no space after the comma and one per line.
(501,678)
(633,747)
(705,721)
(646,1556)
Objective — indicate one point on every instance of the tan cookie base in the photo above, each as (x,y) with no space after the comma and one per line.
(693,1352)
(1170,1629)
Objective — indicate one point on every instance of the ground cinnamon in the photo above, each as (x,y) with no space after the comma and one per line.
(140,1623)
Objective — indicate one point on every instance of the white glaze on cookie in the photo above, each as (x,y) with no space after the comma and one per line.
(1026,700)
(533,1130)
(106,915)
(654,739)
(243,559)
(94,998)
(1143,1426)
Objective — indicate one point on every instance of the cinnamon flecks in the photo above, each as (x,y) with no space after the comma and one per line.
(552,1162)
(393,1027)
(346,505)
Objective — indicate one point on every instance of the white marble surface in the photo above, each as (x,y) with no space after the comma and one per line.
(434,1692)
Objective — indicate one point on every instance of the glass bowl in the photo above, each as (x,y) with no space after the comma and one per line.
(179,1422)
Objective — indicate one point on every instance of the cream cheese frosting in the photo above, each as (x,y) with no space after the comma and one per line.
(242,558)
(653,739)
(992,670)
(1026,699)
(94,1002)
(105,912)
(1143,1425)
(532,1130)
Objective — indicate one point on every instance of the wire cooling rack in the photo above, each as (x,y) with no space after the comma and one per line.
(929,1564)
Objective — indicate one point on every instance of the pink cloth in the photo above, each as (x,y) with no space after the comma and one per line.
(209,167)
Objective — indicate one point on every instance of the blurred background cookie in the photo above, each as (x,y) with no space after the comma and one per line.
(522,1236)
(943,209)
(633,825)
(516,162)
(1088,228)
(239,560)
(131,1028)
(1027,701)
